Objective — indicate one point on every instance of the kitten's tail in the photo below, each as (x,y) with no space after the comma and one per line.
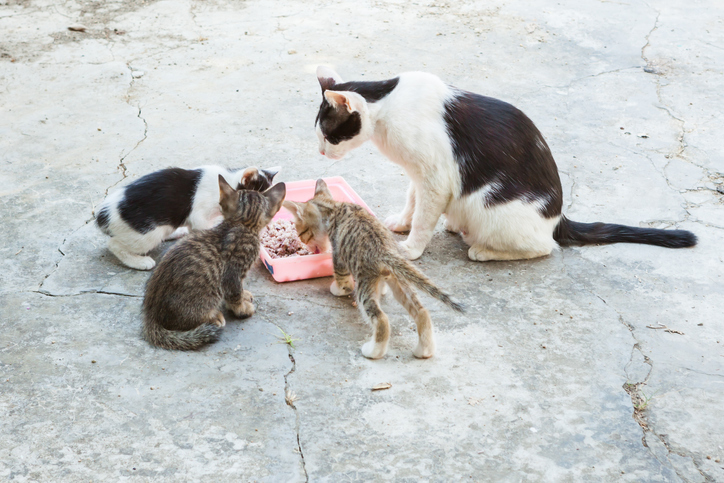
(403,269)
(569,233)
(180,340)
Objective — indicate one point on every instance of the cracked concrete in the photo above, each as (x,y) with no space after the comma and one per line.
(562,369)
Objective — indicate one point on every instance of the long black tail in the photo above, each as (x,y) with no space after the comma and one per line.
(569,233)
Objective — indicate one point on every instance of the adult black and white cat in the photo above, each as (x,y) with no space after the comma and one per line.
(478,160)
(165,204)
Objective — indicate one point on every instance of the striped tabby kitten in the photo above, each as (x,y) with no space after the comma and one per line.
(364,250)
(181,308)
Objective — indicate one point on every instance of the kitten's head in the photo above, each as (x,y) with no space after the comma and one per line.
(251,208)
(343,121)
(257,179)
(310,220)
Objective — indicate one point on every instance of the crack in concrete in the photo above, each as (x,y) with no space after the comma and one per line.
(57,264)
(640,402)
(121,163)
(85,292)
(290,398)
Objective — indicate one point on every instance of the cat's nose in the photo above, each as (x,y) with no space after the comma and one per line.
(321,151)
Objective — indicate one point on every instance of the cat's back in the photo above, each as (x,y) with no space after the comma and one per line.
(192,263)
(160,198)
(423,89)
(355,229)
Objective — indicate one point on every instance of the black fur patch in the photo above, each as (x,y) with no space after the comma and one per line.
(160,198)
(493,142)
(338,125)
(372,91)
(103,218)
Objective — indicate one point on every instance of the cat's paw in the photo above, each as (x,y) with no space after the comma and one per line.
(246,296)
(243,310)
(397,223)
(372,350)
(424,351)
(411,253)
(479,253)
(338,291)
(179,233)
(450,227)
(218,319)
(140,263)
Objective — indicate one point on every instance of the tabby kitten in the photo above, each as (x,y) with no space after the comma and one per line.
(363,251)
(182,305)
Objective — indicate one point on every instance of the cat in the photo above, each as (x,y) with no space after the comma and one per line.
(184,295)
(365,253)
(478,160)
(164,205)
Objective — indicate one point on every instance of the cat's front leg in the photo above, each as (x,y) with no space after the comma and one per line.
(429,205)
(402,222)
(178,233)
(238,300)
(343,283)
(242,306)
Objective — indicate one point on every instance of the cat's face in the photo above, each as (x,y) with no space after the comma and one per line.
(252,208)
(343,121)
(309,221)
(257,179)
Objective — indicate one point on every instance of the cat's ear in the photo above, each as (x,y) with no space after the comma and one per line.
(248,176)
(340,100)
(294,208)
(228,197)
(271,172)
(275,195)
(321,189)
(327,77)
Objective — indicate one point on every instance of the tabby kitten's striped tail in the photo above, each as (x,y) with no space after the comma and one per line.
(402,269)
(188,340)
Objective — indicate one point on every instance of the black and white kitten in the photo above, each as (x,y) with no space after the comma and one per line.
(165,204)
(478,160)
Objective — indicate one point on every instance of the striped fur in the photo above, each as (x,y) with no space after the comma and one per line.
(184,296)
(364,252)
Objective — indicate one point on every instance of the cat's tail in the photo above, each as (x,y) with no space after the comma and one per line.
(569,233)
(180,340)
(401,268)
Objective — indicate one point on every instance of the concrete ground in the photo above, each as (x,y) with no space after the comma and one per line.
(561,370)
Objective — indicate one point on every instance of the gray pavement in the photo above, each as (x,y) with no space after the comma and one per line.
(553,375)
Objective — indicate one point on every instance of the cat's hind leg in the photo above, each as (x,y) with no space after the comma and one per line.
(483,254)
(127,257)
(368,299)
(402,222)
(406,296)
(511,231)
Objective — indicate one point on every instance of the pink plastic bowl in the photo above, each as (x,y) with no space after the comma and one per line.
(308,266)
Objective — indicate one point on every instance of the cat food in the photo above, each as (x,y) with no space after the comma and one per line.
(291,268)
(281,240)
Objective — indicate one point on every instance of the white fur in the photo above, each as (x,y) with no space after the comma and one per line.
(407,126)
(131,246)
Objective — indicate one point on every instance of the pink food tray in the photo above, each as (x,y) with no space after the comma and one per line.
(308,266)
